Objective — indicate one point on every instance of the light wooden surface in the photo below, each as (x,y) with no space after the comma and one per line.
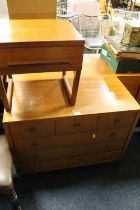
(36,32)
(41,46)
(36,95)
(45,133)
(25,9)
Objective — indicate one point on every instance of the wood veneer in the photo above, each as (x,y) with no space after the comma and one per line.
(97,129)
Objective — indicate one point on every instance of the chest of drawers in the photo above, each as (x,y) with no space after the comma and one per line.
(78,141)
(45,133)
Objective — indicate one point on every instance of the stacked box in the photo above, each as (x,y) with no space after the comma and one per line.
(119,65)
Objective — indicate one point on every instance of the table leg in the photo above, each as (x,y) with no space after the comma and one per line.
(71,92)
(6,97)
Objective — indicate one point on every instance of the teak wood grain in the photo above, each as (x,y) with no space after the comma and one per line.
(64,163)
(35,45)
(99,92)
(31,9)
(97,129)
(36,32)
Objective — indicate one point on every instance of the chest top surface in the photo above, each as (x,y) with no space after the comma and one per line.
(41,96)
(38,32)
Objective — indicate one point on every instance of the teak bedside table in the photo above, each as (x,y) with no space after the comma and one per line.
(40,45)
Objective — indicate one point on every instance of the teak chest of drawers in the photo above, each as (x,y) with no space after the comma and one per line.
(45,133)
(40,45)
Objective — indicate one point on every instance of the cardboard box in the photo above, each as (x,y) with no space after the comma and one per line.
(131,34)
(120,65)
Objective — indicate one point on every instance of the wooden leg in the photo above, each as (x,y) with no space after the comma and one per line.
(10,76)
(3,95)
(72,92)
(6,97)
(13,198)
(64,73)
(75,88)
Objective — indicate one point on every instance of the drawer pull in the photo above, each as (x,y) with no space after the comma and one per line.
(32,129)
(76,125)
(36,65)
(112,135)
(117,120)
(94,136)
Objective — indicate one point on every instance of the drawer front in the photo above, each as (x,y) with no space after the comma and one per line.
(112,134)
(71,141)
(32,129)
(76,124)
(53,142)
(69,162)
(50,55)
(116,120)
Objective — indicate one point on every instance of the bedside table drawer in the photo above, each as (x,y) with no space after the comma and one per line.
(116,120)
(32,129)
(45,57)
(76,124)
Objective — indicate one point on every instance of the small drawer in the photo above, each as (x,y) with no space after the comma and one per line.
(32,129)
(112,134)
(46,58)
(77,124)
(116,120)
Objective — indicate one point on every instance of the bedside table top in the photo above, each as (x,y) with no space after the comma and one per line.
(38,32)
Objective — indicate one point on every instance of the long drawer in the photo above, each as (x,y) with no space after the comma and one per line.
(73,140)
(76,161)
(68,151)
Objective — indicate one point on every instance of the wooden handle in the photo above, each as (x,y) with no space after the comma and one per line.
(117,120)
(112,135)
(36,66)
(37,63)
(76,125)
(32,129)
